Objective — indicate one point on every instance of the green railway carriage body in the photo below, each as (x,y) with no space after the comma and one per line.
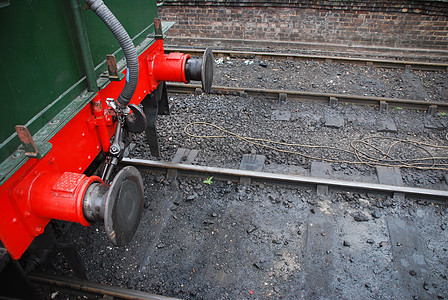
(40,60)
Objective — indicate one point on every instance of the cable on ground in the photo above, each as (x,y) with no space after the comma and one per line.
(366,151)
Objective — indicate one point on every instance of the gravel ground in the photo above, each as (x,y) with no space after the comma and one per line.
(228,241)
(332,77)
(252,117)
(309,123)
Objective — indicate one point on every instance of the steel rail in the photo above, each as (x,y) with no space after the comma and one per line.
(295,179)
(77,285)
(381,63)
(311,96)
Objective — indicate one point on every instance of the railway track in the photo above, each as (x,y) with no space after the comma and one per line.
(381,63)
(316,97)
(188,231)
(90,289)
(236,175)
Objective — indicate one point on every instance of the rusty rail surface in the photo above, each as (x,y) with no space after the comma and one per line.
(89,288)
(237,174)
(311,96)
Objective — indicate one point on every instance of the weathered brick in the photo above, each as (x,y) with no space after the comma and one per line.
(395,23)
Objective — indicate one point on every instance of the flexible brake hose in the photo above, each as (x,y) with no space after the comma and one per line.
(103,12)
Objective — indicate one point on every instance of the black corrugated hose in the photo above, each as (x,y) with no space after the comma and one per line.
(126,44)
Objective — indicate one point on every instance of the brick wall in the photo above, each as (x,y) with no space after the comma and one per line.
(394,23)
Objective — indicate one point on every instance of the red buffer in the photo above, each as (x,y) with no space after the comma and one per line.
(54,186)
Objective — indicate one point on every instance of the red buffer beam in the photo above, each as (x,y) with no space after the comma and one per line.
(54,187)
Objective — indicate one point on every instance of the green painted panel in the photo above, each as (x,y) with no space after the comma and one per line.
(37,60)
(133,15)
(40,61)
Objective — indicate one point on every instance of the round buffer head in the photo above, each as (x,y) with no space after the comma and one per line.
(124,206)
(136,121)
(207,70)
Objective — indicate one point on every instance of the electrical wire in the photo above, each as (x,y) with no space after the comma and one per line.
(362,150)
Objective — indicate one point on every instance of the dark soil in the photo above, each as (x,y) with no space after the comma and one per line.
(267,242)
